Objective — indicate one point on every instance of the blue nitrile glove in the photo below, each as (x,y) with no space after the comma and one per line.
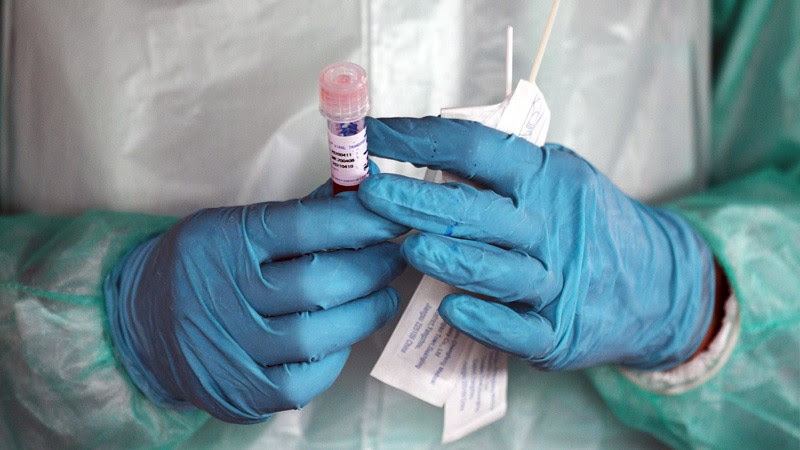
(245,311)
(576,273)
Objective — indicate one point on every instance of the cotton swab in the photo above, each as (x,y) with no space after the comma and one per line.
(509,58)
(543,44)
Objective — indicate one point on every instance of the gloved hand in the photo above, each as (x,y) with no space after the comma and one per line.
(245,311)
(576,273)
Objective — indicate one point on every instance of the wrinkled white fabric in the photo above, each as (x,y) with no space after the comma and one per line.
(172,106)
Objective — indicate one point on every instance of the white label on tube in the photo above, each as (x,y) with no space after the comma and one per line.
(349,164)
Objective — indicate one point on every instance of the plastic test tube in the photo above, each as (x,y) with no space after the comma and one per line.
(344,102)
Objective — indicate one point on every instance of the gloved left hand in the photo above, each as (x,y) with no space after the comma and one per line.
(570,271)
(245,311)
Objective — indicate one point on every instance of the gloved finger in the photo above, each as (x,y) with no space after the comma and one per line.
(288,229)
(483,269)
(451,209)
(374,169)
(326,189)
(527,335)
(323,280)
(494,159)
(310,336)
(294,385)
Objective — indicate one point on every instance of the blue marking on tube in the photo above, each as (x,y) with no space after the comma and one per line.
(348,129)
(449,230)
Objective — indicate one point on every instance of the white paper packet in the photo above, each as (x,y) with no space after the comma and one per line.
(423,352)
(427,358)
(479,397)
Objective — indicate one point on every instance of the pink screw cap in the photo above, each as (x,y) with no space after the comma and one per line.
(343,92)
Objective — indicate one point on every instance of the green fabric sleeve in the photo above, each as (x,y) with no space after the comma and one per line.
(60,384)
(755,112)
(753,227)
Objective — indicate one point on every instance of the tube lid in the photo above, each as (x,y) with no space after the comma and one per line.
(343,92)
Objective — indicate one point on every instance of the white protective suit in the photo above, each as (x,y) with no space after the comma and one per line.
(175,106)
(167,107)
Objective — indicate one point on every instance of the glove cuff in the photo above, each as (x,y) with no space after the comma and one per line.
(693,288)
(701,367)
(120,288)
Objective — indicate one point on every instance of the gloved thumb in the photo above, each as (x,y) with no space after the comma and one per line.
(496,325)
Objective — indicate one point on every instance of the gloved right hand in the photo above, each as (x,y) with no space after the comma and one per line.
(245,311)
